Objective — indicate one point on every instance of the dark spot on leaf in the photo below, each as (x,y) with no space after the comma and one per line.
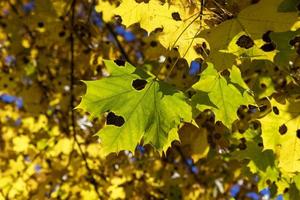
(176,16)
(294,40)
(113,119)
(245,42)
(255,124)
(241,131)
(283,129)
(153,43)
(260,144)
(298,133)
(263,108)
(139,84)
(275,110)
(225,73)
(120,62)
(242,146)
(243,140)
(158,30)
(263,86)
(40,24)
(266,36)
(268,47)
(241,112)
(198,49)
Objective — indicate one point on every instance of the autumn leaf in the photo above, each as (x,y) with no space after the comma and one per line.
(254,21)
(221,96)
(179,23)
(280,133)
(152,108)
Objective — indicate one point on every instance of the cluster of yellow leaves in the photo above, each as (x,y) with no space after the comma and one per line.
(180,22)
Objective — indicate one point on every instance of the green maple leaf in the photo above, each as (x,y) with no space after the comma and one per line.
(286,52)
(261,162)
(223,97)
(143,108)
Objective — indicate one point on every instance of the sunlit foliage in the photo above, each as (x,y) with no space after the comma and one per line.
(149,99)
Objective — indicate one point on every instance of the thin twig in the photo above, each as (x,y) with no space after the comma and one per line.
(112,32)
(119,45)
(200,28)
(92,180)
(200,15)
(201,12)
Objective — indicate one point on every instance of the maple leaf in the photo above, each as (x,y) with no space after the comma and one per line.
(139,106)
(255,21)
(180,23)
(221,96)
(247,48)
(284,44)
(280,133)
(261,162)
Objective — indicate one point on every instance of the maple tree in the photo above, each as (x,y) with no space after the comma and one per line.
(149,99)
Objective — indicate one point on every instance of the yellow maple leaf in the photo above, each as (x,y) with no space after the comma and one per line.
(180,22)
(254,20)
(281,133)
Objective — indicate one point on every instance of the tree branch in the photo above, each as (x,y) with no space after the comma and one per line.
(91,178)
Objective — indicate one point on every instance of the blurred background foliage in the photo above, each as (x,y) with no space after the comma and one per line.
(49,151)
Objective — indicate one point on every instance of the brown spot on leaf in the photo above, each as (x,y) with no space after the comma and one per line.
(268,47)
(112,119)
(176,16)
(275,110)
(298,133)
(120,62)
(139,84)
(245,42)
(283,129)
(266,36)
